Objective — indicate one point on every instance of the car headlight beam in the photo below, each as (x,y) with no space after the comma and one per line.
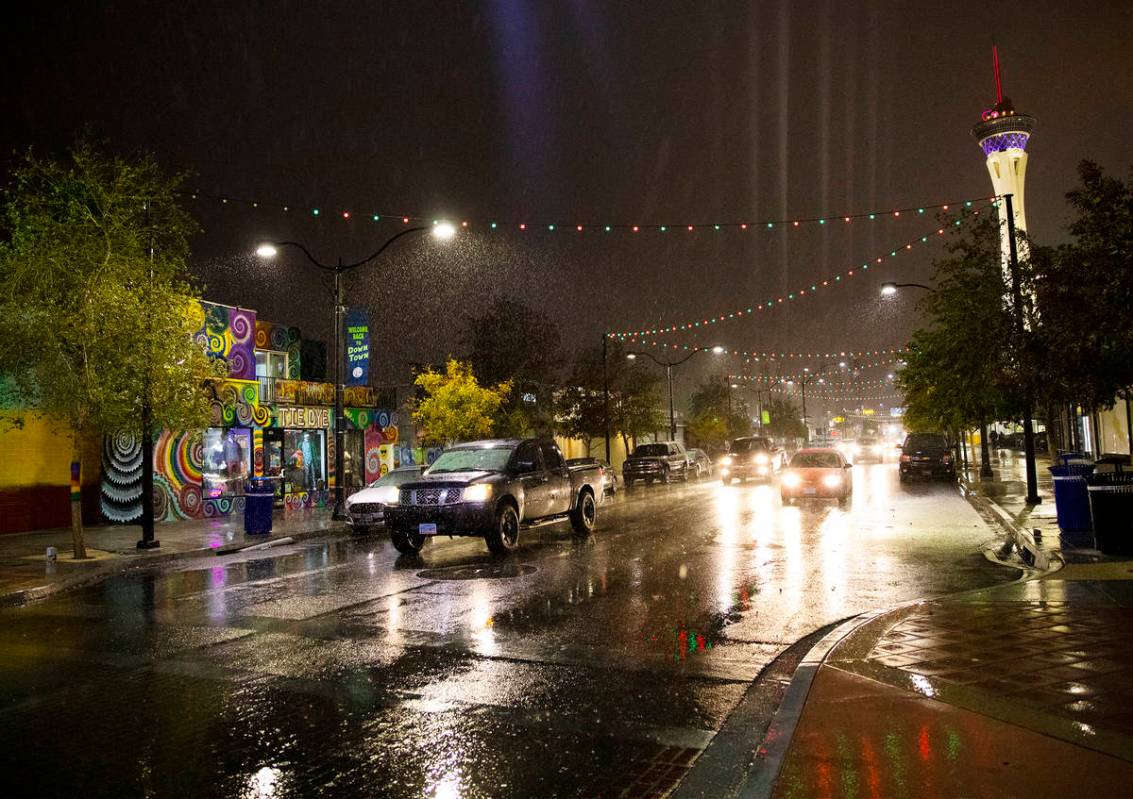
(481,492)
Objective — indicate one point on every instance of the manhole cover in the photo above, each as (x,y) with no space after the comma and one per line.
(480,571)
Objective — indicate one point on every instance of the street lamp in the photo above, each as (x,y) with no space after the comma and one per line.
(669,376)
(889,289)
(269,249)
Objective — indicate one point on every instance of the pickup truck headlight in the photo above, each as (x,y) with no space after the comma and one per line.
(791,480)
(481,492)
(761,458)
(726,460)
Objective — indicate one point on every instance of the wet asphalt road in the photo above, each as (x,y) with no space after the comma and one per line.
(599,667)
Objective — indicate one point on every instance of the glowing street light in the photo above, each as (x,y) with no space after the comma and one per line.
(270,249)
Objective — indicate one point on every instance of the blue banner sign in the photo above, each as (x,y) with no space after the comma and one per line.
(357,335)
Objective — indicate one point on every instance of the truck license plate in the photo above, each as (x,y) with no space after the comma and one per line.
(810,492)
(427,528)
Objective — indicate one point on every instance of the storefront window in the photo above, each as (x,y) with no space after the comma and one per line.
(304,454)
(227,461)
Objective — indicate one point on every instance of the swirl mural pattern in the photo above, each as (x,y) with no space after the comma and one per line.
(178,461)
(238,403)
(121,488)
(229,333)
(281,339)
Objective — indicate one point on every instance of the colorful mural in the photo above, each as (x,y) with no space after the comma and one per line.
(178,459)
(230,333)
(271,336)
(120,499)
(236,403)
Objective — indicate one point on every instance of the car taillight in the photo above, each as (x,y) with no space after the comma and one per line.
(906,458)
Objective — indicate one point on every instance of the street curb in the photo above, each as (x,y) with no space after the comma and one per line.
(759,782)
(125,564)
(1033,556)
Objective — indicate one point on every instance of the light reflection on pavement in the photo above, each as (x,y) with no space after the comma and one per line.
(573,668)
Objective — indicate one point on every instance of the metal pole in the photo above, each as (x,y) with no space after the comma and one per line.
(806,427)
(148,541)
(339,416)
(606,391)
(672,415)
(1128,419)
(1017,296)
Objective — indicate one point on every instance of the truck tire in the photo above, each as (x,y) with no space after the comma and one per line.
(665,475)
(584,515)
(629,484)
(504,537)
(407,543)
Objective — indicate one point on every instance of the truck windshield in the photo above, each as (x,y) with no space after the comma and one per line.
(651,451)
(492,459)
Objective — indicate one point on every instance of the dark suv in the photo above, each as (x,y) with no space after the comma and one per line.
(927,454)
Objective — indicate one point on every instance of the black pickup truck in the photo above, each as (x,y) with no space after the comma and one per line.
(492,488)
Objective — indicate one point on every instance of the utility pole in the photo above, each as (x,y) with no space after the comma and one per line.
(1017,300)
(606,390)
(147,541)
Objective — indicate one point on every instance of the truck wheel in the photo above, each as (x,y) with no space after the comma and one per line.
(684,475)
(505,537)
(665,475)
(582,518)
(407,543)
(629,484)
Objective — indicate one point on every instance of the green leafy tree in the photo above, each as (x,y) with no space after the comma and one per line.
(971,364)
(786,420)
(97,313)
(715,415)
(1085,294)
(455,407)
(511,341)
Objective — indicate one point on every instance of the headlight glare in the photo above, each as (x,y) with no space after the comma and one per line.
(791,480)
(762,458)
(726,460)
(832,480)
(481,492)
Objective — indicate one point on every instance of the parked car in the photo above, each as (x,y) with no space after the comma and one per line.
(661,461)
(609,476)
(491,489)
(365,509)
(755,457)
(926,454)
(699,463)
(818,472)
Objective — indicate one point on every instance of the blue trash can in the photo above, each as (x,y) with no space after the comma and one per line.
(258,501)
(1072,502)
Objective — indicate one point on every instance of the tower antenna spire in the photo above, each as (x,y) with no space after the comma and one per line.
(995,62)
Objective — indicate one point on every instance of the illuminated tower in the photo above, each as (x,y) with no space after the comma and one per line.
(1002,134)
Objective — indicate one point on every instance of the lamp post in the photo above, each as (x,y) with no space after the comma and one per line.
(889,289)
(669,376)
(269,250)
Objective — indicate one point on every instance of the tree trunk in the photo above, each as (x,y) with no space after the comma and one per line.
(1051,440)
(78,545)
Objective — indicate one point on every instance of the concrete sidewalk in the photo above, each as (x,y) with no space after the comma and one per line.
(25,574)
(1020,690)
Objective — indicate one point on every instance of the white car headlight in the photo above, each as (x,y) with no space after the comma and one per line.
(481,492)
(389,495)
(832,480)
(791,480)
(761,457)
(726,460)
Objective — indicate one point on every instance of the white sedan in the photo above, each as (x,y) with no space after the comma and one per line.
(366,509)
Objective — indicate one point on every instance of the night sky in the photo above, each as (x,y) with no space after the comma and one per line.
(577,112)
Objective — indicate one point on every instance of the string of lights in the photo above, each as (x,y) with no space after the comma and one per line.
(822,381)
(829,281)
(412,218)
(779,355)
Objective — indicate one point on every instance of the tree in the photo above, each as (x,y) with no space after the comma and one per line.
(715,416)
(456,407)
(786,419)
(972,364)
(511,341)
(1085,292)
(97,313)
